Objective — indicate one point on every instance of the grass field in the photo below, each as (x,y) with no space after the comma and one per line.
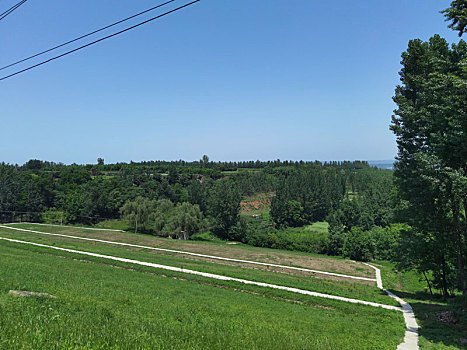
(350,289)
(99,306)
(102,304)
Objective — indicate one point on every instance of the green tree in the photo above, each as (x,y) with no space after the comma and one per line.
(197,194)
(430,124)
(138,213)
(10,187)
(185,220)
(359,245)
(205,161)
(457,15)
(224,207)
(317,189)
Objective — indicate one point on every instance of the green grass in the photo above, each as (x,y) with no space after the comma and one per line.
(434,335)
(320,227)
(340,288)
(250,252)
(102,307)
(408,285)
(114,225)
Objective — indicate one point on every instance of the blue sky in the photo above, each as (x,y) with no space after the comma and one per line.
(234,79)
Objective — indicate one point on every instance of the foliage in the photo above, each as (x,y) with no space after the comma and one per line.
(375,244)
(263,234)
(53,216)
(359,245)
(141,212)
(371,206)
(184,220)
(163,218)
(457,14)
(431,172)
(306,195)
(224,208)
(161,198)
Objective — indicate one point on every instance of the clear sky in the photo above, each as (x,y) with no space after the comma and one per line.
(233,79)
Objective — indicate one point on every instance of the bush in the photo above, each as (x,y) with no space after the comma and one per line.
(359,245)
(53,216)
(204,236)
(263,234)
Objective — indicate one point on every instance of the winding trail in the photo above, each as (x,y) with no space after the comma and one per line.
(411,334)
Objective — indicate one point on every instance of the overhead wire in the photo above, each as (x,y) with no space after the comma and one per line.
(85,35)
(99,40)
(11,9)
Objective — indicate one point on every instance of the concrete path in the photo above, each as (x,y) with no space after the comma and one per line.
(411,334)
(195,254)
(210,275)
(82,228)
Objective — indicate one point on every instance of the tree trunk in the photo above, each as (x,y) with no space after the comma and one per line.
(445,284)
(428,282)
(460,263)
(460,251)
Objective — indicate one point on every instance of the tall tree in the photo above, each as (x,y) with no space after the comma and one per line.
(457,15)
(430,124)
(224,207)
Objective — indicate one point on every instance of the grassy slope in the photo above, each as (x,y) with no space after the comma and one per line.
(222,248)
(101,307)
(341,288)
(434,334)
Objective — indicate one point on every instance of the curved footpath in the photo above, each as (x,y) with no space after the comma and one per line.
(411,334)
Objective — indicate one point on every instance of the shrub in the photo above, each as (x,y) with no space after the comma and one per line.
(359,245)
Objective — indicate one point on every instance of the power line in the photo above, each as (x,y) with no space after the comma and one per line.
(99,40)
(11,9)
(86,35)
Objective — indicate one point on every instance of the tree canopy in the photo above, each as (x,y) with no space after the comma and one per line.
(457,15)
(430,124)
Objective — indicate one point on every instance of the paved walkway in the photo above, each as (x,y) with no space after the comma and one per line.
(82,228)
(411,334)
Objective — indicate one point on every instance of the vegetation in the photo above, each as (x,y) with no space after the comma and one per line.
(457,14)
(94,309)
(276,206)
(431,171)
(342,287)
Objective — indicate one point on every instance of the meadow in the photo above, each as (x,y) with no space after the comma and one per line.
(121,306)
(104,304)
